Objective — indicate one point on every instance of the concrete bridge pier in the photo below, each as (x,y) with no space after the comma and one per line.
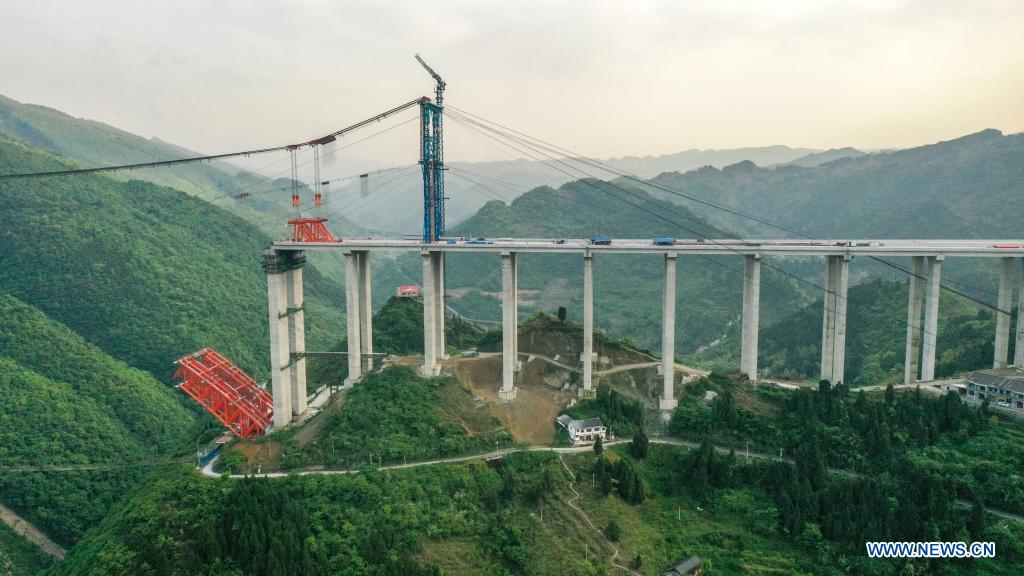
(353,305)
(931,317)
(296,339)
(509,326)
(441,346)
(1004,303)
(287,333)
(365,310)
(668,336)
(833,336)
(430,367)
(916,289)
(587,357)
(751,314)
(1018,351)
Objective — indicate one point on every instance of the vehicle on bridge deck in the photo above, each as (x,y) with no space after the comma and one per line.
(561,240)
(663,241)
(479,241)
(601,240)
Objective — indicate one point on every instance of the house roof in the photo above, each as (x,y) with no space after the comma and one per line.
(684,567)
(564,420)
(1003,379)
(588,423)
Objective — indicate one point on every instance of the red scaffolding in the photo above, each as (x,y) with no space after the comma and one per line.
(310,230)
(226,392)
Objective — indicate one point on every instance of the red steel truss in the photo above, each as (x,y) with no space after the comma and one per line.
(310,230)
(226,392)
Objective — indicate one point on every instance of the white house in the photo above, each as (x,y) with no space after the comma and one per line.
(583,431)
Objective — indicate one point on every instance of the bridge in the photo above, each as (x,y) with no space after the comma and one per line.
(284,260)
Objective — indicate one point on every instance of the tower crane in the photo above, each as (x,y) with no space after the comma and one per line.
(439,89)
(432,158)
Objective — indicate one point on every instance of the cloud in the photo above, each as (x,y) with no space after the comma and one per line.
(606,78)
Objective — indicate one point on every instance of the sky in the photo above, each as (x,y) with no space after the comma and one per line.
(602,78)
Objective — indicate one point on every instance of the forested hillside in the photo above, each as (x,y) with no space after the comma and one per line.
(65,402)
(876,336)
(648,505)
(954,189)
(146,273)
(627,288)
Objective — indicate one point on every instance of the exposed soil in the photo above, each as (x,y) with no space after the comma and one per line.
(265,455)
(530,418)
(27,530)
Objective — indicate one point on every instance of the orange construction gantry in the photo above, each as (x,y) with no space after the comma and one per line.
(226,392)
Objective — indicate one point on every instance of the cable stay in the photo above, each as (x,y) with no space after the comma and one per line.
(538,144)
(322,140)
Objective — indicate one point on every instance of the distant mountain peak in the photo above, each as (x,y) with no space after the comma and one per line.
(741,166)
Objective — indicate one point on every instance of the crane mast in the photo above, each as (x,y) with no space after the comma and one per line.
(432,158)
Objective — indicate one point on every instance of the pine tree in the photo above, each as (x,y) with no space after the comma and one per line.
(639,445)
(976,522)
(598,446)
(627,481)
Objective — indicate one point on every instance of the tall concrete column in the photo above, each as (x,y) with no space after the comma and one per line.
(280,373)
(668,335)
(751,314)
(1018,350)
(429,368)
(296,339)
(366,310)
(588,326)
(509,326)
(439,305)
(839,347)
(1004,303)
(931,317)
(828,326)
(912,358)
(352,313)
(833,338)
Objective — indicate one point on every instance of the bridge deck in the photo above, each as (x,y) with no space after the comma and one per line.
(967,248)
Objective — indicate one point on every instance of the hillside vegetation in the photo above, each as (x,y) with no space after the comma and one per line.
(18,556)
(875,338)
(66,402)
(391,416)
(144,272)
(953,189)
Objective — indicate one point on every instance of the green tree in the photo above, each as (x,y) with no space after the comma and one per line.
(638,447)
(612,531)
(598,446)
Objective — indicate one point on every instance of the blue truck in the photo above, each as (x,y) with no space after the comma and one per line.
(601,240)
(663,241)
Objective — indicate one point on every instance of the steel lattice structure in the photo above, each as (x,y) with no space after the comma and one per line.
(226,392)
(310,230)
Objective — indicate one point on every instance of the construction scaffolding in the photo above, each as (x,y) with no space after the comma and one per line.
(226,392)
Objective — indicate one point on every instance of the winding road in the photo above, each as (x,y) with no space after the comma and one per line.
(208,469)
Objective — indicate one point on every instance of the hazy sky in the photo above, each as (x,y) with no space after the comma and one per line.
(603,78)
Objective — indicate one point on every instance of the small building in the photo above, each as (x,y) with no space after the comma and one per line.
(1002,386)
(688,567)
(407,291)
(585,431)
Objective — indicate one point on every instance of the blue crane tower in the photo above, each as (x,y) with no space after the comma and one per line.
(432,159)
